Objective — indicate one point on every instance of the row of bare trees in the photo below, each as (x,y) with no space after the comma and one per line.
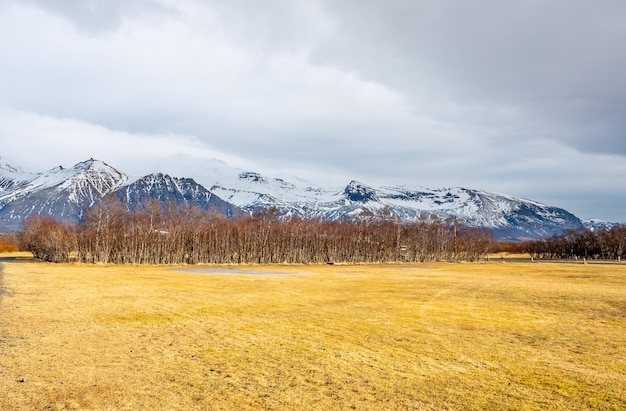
(178,235)
(606,244)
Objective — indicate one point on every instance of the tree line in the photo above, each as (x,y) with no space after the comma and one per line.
(158,234)
(606,244)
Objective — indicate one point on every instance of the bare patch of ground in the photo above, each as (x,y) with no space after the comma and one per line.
(232,271)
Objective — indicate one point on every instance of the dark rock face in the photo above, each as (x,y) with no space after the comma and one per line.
(532,221)
(171,190)
(358,192)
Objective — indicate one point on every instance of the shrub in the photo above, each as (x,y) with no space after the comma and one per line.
(6,247)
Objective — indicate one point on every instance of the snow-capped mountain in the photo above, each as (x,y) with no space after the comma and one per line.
(506,216)
(65,194)
(171,190)
(61,193)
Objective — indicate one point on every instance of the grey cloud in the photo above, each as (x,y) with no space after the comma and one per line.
(559,62)
(486,94)
(97,16)
(276,24)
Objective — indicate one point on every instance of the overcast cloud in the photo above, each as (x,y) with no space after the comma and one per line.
(522,97)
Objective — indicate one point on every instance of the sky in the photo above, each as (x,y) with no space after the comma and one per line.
(524,97)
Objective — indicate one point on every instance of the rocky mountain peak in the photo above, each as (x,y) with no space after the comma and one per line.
(252,176)
(359,192)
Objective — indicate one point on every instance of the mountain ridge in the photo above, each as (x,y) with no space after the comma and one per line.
(507,216)
(178,191)
(65,194)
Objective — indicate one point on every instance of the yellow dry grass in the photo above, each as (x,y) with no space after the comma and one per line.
(428,336)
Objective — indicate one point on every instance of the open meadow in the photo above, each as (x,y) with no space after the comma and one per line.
(488,335)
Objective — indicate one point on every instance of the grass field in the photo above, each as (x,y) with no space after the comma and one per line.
(428,336)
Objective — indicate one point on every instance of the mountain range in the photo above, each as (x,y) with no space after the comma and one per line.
(66,193)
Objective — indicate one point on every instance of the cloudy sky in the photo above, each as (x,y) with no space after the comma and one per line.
(525,97)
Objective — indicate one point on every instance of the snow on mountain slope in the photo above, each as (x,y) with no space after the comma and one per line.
(60,193)
(12,176)
(89,178)
(92,179)
(252,191)
(507,216)
(597,224)
(179,191)
(66,193)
